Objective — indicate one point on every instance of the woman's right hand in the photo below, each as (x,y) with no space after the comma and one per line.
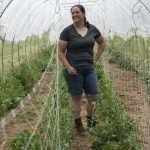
(71,70)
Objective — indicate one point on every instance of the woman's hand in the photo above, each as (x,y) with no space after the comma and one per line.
(94,61)
(100,48)
(71,70)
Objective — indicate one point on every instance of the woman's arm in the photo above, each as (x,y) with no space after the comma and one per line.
(62,46)
(101,46)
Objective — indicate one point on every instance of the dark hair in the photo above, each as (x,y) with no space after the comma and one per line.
(86,23)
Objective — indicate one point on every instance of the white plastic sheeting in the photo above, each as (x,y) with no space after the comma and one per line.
(23,18)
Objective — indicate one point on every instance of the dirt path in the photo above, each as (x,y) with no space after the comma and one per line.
(27,117)
(135,98)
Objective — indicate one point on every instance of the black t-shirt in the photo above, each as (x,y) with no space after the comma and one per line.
(80,49)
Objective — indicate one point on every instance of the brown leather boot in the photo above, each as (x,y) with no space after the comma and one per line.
(80,129)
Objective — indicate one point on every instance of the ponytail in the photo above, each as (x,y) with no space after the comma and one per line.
(86,23)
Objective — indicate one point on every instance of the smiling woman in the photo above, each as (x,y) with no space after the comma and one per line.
(78,14)
(77,41)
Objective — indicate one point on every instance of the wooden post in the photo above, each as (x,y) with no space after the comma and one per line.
(26,50)
(12,53)
(30,48)
(35,45)
(19,52)
(2,53)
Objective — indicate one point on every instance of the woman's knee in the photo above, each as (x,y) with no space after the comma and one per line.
(92,98)
(76,98)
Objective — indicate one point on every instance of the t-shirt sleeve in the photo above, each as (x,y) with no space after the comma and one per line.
(97,33)
(64,35)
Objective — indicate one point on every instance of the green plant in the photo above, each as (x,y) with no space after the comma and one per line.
(11,93)
(22,140)
(15,85)
(58,130)
(115,130)
(121,60)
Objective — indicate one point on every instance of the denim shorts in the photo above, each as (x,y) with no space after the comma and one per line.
(85,80)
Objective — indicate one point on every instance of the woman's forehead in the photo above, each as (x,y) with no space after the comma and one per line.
(75,8)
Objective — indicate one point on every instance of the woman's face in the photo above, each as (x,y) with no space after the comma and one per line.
(77,15)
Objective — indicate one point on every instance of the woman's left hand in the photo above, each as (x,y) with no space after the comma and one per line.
(94,61)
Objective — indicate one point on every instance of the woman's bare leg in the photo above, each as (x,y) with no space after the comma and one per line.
(75,106)
(90,104)
(91,121)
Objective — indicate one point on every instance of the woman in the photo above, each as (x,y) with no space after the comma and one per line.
(75,51)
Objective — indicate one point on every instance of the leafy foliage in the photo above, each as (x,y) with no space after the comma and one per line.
(56,131)
(11,93)
(22,139)
(131,54)
(121,60)
(15,85)
(65,117)
(115,130)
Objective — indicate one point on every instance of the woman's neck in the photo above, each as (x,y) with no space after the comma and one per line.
(79,25)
